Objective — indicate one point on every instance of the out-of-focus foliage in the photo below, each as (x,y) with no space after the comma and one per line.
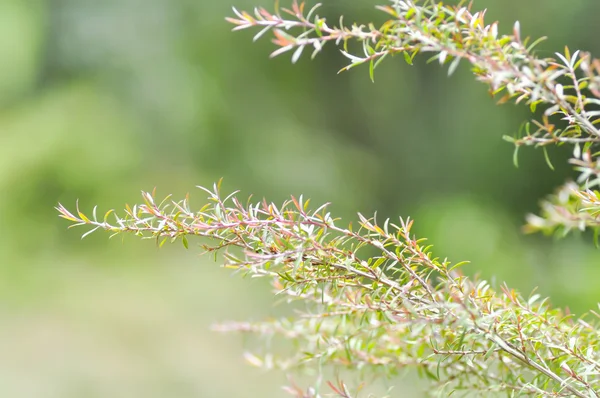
(102,99)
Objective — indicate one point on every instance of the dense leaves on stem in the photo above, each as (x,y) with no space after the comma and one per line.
(376,299)
(566,88)
(401,307)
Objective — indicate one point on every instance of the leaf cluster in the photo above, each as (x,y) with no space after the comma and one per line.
(564,90)
(402,307)
(376,299)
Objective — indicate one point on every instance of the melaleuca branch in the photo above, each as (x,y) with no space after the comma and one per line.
(567,86)
(401,307)
(454,33)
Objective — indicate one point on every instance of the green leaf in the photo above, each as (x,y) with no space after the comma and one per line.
(461,340)
(533,106)
(185,242)
(489,352)
(547,157)
(437,369)
(378,262)
(380,59)
(535,43)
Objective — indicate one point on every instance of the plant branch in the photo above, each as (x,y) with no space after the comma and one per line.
(402,307)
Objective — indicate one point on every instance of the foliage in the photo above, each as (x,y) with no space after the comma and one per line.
(567,88)
(377,299)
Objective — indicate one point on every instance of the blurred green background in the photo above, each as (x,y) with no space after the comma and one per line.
(102,99)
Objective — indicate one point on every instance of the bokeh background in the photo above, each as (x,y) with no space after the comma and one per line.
(102,99)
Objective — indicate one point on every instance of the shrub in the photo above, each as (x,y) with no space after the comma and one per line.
(377,300)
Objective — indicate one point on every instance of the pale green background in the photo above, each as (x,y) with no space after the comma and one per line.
(101,99)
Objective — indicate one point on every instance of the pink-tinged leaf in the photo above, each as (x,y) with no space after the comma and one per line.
(388,10)
(280,51)
(517,31)
(265,14)
(235,21)
(283,39)
(64,213)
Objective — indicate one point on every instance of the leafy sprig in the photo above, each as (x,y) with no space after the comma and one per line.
(454,33)
(401,307)
(565,87)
